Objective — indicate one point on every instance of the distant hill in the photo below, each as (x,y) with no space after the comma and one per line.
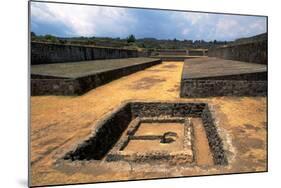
(141,44)
(144,43)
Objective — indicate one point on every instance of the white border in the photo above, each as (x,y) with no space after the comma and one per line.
(13,17)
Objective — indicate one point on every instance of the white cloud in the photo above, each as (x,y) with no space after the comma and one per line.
(258,26)
(226,25)
(227,28)
(192,25)
(195,18)
(234,27)
(185,31)
(83,20)
(210,26)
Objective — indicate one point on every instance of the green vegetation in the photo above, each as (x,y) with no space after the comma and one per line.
(131,39)
(132,43)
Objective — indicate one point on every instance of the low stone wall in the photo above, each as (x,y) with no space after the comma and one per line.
(140,109)
(178,55)
(45,53)
(191,52)
(214,140)
(174,58)
(253,52)
(170,52)
(255,76)
(54,87)
(222,87)
(197,52)
(78,86)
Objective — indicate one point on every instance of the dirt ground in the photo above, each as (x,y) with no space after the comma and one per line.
(201,146)
(59,123)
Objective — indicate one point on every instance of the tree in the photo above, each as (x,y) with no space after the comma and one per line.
(33,34)
(131,38)
(51,38)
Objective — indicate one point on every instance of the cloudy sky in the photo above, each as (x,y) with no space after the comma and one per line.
(66,20)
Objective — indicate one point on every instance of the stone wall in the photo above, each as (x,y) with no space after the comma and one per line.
(54,87)
(41,85)
(184,52)
(170,52)
(173,58)
(253,52)
(157,109)
(178,55)
(197,52)
(255,76)
(44,53)
(222,87)
(214,139)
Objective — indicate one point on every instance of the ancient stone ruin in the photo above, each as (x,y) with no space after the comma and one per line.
(209,77)
(164,124)
(151,131)
(73,70)
(239,69)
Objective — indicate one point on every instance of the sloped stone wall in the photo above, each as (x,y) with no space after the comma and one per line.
(253,52)
(44,53)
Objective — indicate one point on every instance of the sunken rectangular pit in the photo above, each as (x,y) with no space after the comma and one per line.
(151,131)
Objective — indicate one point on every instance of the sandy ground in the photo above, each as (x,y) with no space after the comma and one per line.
(201,147)
(59,123)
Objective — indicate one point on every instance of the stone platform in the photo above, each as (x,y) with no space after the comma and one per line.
(209,76)
(76,78)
